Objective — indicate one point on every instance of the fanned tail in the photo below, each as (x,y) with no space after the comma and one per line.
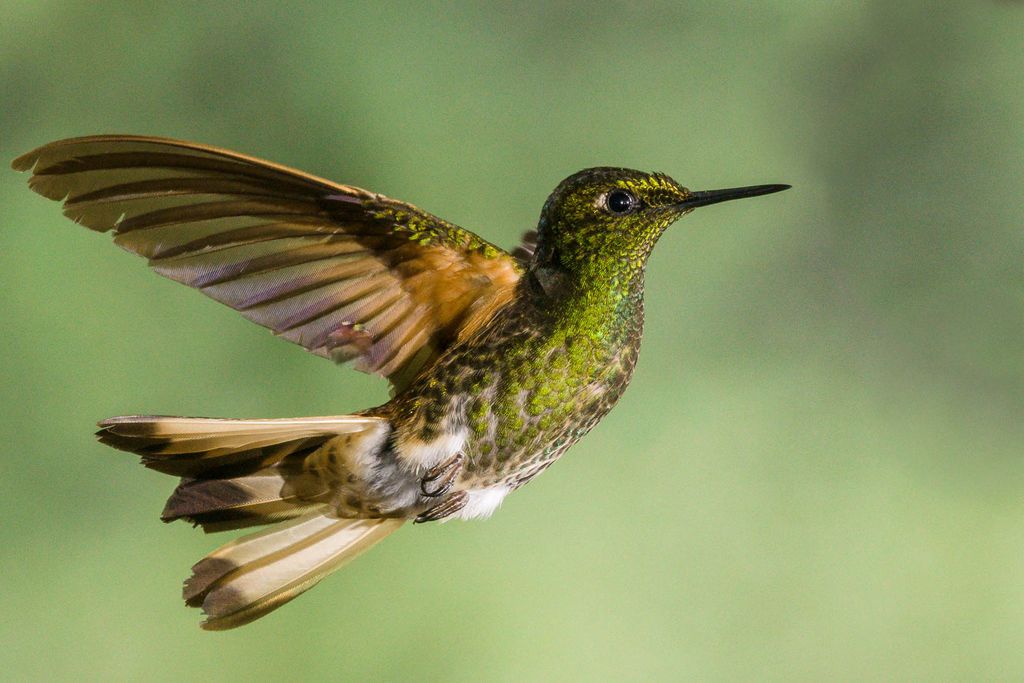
(255,574)
(239,473)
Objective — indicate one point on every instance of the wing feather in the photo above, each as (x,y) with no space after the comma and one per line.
(349,274)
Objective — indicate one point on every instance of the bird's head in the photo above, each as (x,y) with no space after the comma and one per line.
(607,219)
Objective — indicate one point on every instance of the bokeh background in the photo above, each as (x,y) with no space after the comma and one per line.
(818,472)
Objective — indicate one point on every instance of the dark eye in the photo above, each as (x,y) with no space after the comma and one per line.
(620,202)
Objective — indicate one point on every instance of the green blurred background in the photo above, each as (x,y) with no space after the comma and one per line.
(817,472)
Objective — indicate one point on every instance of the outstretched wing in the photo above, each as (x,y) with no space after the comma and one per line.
(349,274)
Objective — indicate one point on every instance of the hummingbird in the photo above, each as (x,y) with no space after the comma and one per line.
(499,361)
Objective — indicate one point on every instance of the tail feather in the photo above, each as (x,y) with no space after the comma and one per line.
(262,497)
(258,573)
(202,446)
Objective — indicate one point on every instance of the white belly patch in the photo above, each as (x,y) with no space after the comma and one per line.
(425,455)
(483,502)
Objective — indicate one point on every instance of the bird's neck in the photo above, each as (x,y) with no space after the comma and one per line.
(594,300)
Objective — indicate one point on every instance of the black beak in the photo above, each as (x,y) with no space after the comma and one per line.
(714,196)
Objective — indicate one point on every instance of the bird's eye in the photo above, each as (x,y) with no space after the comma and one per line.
(620,202)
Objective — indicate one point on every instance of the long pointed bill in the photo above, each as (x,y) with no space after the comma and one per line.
(714,196)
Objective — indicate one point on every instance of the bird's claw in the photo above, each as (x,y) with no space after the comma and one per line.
(439,480)
(449,506)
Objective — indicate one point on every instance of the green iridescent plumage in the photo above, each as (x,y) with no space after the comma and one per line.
(499,361)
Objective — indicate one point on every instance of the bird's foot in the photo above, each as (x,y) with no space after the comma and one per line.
(439,480)
(449,506)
